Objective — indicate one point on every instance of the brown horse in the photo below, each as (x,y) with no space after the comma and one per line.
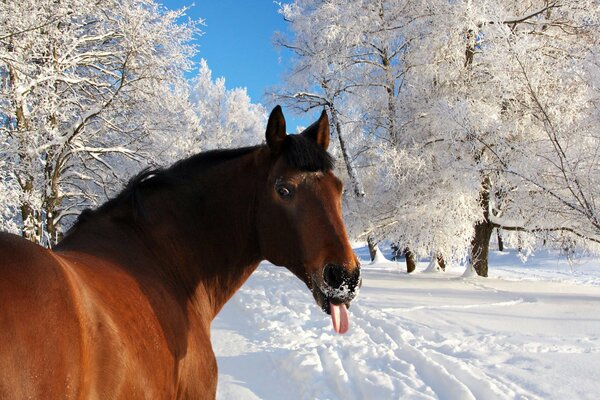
(121,309)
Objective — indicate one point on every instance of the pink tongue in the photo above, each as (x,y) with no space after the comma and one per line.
(339,317)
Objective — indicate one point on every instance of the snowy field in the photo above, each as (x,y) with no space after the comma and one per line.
(530,331)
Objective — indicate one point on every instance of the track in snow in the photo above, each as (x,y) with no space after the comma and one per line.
(425,336)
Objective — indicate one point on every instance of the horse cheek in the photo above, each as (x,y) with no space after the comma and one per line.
(273,228)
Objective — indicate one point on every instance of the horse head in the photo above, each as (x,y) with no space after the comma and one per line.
(300,216)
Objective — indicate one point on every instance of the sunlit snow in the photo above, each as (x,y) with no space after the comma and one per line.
(530,331)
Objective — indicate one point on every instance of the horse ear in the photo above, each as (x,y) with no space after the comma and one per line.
(275,130)
(319,131)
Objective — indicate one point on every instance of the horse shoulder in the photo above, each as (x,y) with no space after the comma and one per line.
(75,326)
(40,336)
(144,332)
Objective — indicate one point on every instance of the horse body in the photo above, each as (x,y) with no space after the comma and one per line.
(82,327)
(121,308)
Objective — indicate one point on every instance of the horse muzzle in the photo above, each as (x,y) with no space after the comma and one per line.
(334,291)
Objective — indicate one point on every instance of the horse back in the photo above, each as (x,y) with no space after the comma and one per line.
(39,326)
(77,326)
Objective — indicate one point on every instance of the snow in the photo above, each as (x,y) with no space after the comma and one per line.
(380,258)
(530,331)
(433,266)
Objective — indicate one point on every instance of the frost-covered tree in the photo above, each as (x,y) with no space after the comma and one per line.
(86,88)
(318,78)
(478,115)
(353,55)
(507,87)
(227,117)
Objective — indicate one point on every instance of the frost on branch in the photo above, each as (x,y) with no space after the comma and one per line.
(89,90)
(458,118)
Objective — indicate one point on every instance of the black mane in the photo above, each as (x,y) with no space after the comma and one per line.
(298,151)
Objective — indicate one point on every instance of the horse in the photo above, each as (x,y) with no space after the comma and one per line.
(121,308)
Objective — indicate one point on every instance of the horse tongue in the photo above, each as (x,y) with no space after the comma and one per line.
(339,317)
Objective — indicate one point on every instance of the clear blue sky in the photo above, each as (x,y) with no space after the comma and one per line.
(237,43)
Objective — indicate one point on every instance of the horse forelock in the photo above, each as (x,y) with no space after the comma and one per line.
(304,154)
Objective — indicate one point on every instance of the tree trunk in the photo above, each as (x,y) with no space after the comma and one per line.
(31,226)
(51,208)
(480,245)
(500,241)
(390,89)
(470,50)
(396,251)
(372,247)
(441,262)
(52,200)
(411,260)
(354,180)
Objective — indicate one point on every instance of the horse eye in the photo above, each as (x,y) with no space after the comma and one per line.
(284,192)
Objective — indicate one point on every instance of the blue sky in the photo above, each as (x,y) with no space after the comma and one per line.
(237,43)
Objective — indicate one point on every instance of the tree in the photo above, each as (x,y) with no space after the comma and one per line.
(317,77)
(511,84)
(226,117)
(80,83)
(352,55)
(476,116)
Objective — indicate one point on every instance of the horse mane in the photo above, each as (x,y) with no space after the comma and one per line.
(298,151)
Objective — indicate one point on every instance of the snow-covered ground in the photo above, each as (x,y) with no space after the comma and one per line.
(530,331)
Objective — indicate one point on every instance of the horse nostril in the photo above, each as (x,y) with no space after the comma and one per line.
(333,275)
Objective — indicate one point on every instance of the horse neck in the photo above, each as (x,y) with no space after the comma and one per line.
(221,242)
(202,243)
